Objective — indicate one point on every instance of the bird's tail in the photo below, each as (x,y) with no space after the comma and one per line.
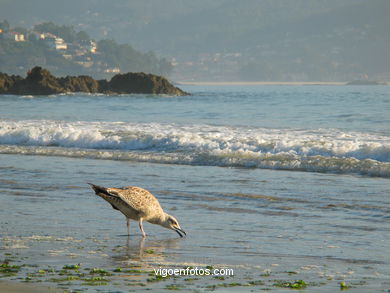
(99,189)
(103,193)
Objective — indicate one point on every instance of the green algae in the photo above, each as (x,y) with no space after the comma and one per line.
(136,284)
(224,285)
(256,283)
(344,286)
(174,287)
(235,284)
(156,278)
(219,278)
(71,267)
(99,271)
(298,284)
(72,275)
(63,279)
(96,281)
(7,270)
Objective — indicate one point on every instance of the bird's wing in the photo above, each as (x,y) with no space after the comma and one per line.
(137,198)
(113,199)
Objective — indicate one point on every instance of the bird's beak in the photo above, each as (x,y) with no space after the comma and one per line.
(178,230)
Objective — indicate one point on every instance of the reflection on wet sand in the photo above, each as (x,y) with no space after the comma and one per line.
(144,251)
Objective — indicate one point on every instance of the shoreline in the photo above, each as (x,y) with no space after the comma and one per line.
(246,83)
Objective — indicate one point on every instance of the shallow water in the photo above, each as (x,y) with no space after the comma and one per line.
(315,129)
(254,221)
(269,226)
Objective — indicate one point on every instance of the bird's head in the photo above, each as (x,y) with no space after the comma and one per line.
(170,222)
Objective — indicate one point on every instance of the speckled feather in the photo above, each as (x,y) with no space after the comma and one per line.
(134,202)
(138,204)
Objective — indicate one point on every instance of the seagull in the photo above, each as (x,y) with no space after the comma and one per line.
(138,204)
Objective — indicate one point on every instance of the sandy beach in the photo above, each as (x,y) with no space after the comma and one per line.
(254,83)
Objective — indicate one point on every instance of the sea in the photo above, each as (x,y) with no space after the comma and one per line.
(286,185)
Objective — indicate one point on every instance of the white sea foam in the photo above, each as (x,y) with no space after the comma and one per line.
(311,150)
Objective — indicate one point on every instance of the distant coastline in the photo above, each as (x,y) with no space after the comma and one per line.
(366,82)
(245,83)
(253,83)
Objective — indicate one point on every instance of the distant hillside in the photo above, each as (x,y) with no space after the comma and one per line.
(169,25)
(227,40)
(341,44)
(65,51)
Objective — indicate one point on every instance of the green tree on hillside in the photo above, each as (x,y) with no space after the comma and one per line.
(127,58)
(18,57)
(68,33)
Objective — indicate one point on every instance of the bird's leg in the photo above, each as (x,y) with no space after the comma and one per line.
(128,242)
(128,226)
(142,228)
(141,247)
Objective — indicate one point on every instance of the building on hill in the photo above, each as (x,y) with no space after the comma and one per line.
(89,46)
(15,36)
(54,42)
(37,35)
(112,70)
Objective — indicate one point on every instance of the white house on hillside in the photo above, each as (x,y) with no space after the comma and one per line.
(54,42)
(89,46)
(15,36)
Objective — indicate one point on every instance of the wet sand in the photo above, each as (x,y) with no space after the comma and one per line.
(56,233)
(12,287)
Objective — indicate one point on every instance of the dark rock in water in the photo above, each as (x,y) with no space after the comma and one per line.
(141,83)
(40,81)
(7,82)
(104,86)
(81,83)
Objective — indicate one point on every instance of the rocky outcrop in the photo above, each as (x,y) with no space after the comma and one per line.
(81,83)
(40,81)
(7,82)
(142,83)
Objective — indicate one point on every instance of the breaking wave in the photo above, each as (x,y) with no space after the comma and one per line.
(322,150)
